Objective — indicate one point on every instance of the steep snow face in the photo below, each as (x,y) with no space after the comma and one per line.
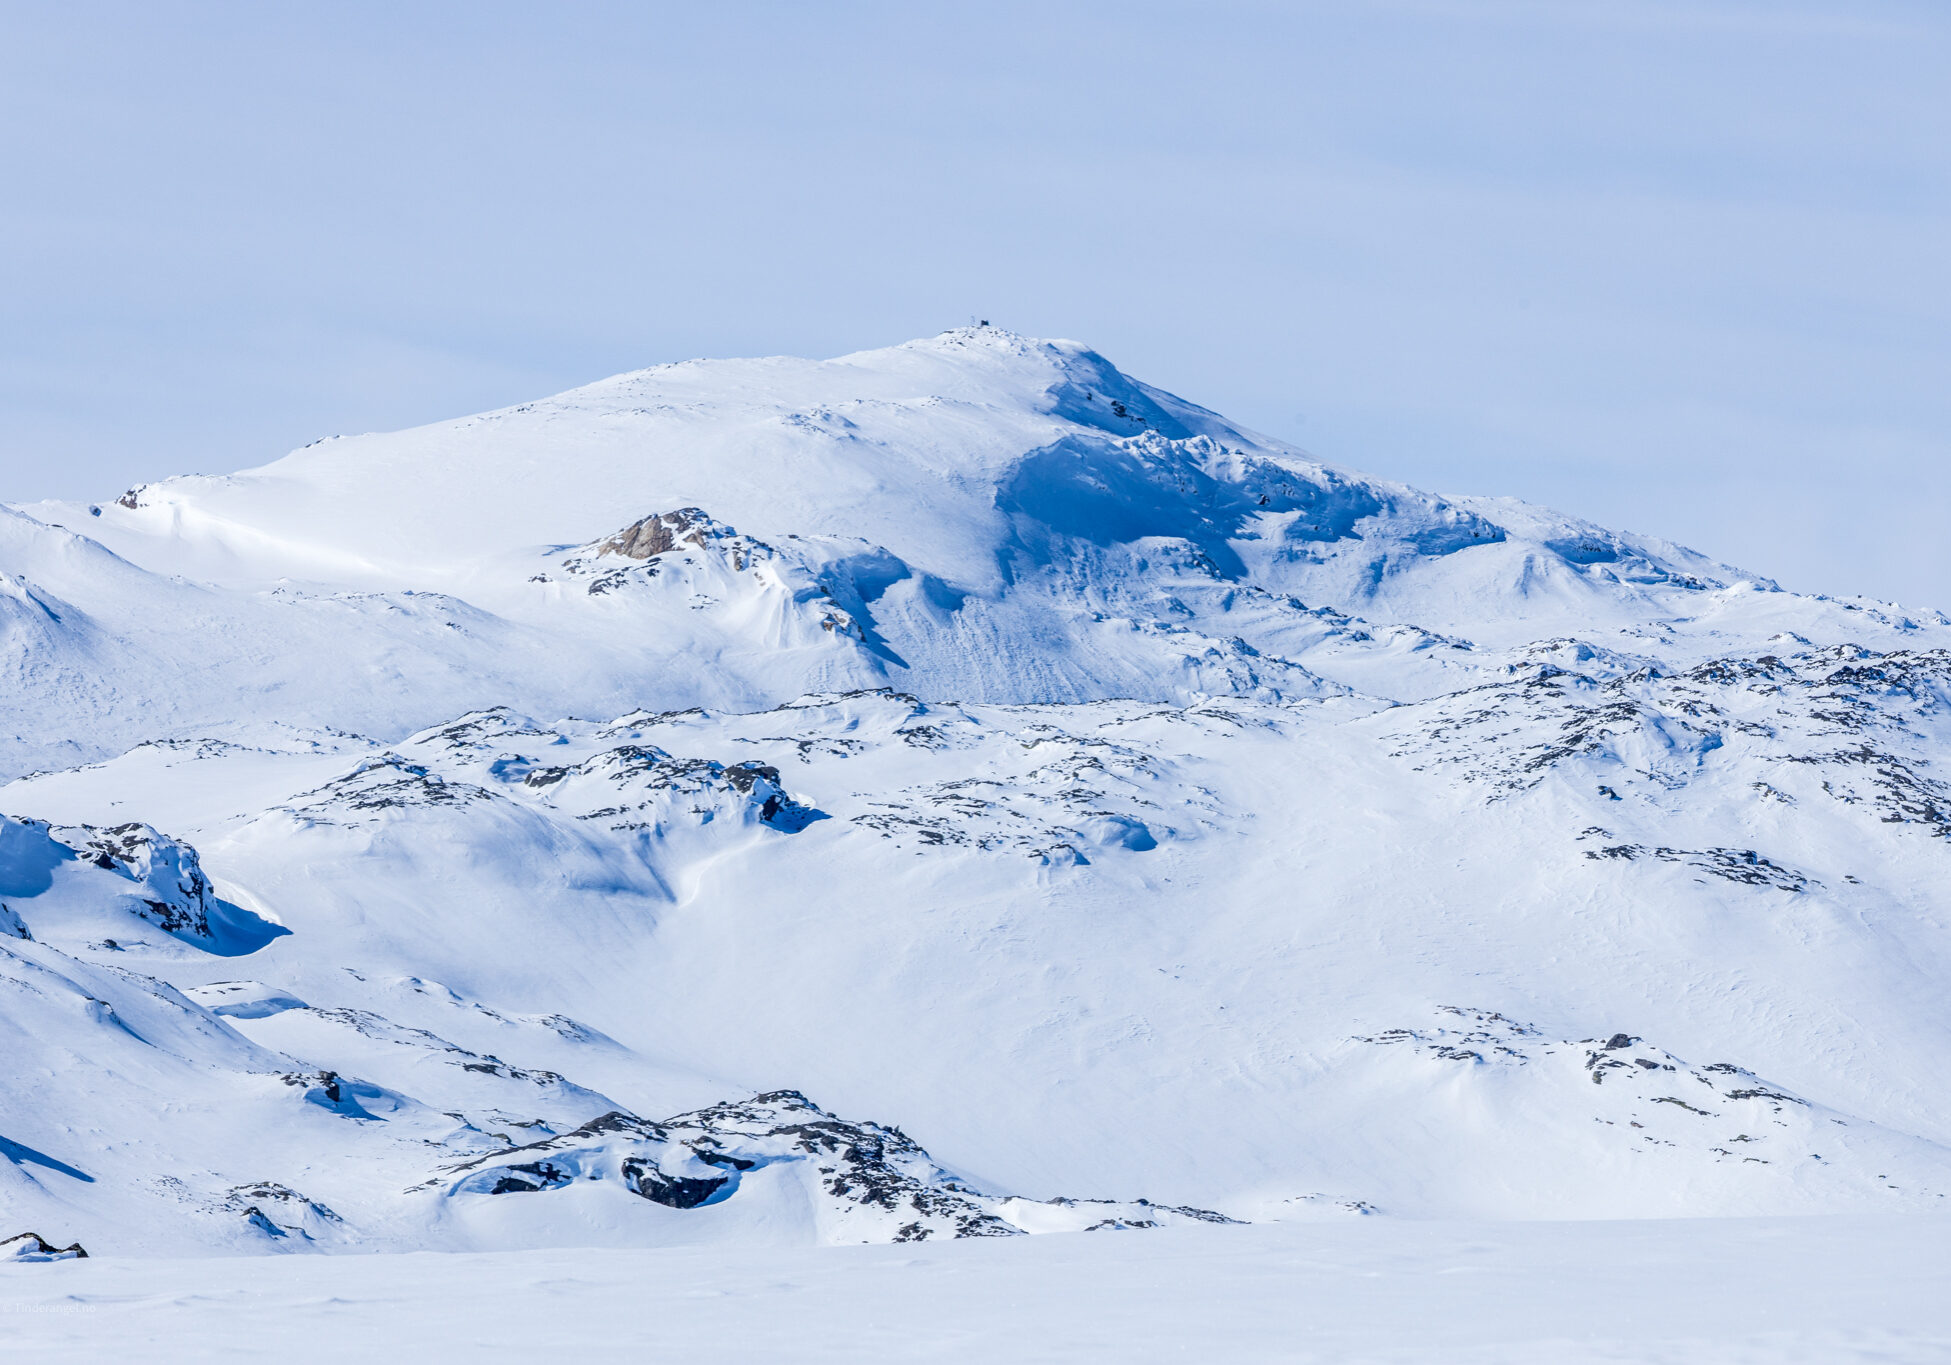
(501,828)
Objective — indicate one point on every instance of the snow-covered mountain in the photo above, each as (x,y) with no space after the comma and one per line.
(492,834)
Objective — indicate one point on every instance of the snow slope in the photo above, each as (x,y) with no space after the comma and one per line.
(949,790)
(977,516)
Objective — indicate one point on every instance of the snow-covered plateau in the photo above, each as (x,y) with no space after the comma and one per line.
(949,791)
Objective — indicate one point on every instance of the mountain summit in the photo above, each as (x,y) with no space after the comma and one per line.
(496,834)
(977,516)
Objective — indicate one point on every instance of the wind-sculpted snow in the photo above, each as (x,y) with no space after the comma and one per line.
(978,739)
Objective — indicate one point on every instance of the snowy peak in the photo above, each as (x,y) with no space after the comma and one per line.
(977,516)
(915,448)
(1001,745)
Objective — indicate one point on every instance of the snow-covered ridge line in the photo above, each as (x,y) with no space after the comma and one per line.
(977,516)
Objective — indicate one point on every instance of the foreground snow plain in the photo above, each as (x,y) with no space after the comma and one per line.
(1804,1291)
(953,792)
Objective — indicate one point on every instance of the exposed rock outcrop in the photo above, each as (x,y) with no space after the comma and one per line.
(31,1246)
(862,1182)
(172,891)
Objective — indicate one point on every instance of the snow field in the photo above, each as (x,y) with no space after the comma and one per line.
(1810,1291)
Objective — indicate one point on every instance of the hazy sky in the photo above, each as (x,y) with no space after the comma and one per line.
(1680,268)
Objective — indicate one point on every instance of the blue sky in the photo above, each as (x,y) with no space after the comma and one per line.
(1680,268)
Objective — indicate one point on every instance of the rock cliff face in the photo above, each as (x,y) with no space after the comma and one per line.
(973,737)
(660,532)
